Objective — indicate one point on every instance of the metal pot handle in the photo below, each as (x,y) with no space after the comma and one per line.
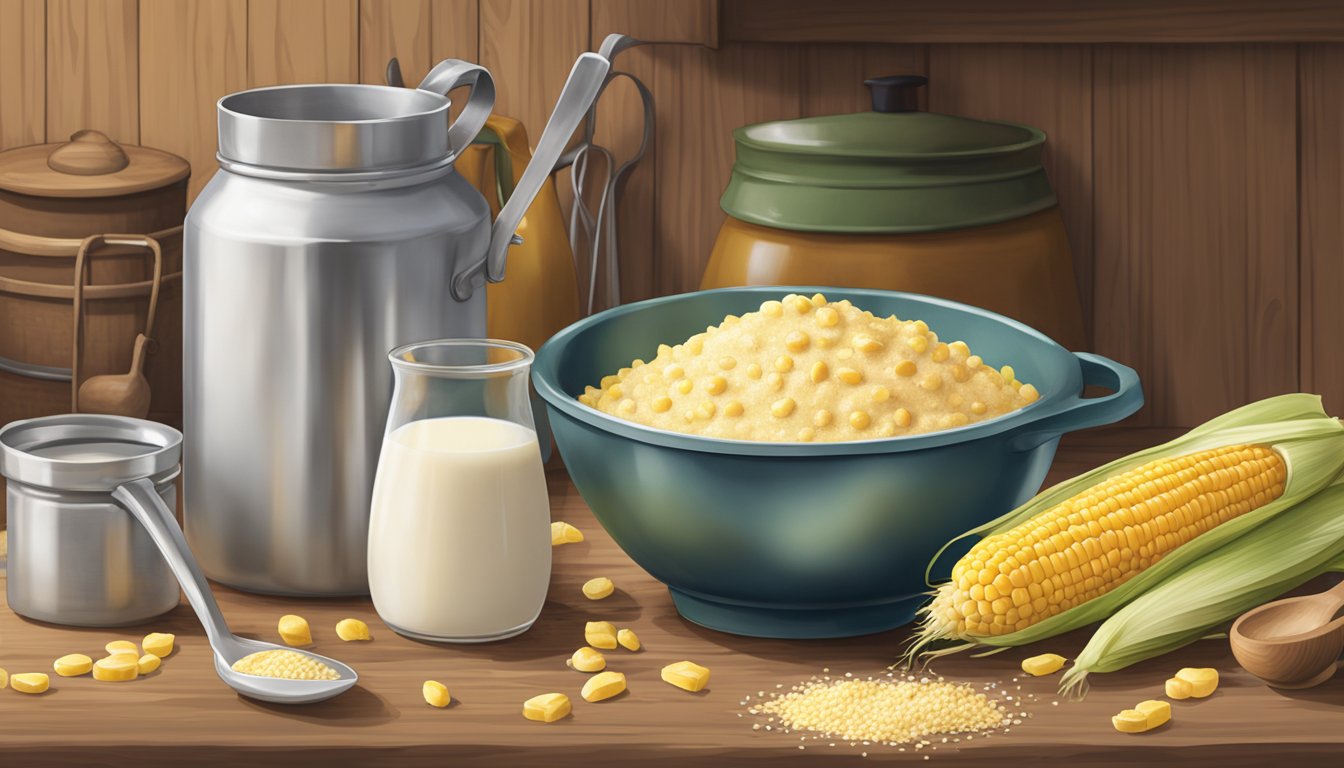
(1077,412)
(581,89)
(454,73)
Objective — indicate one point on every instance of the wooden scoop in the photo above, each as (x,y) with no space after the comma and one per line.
(1292,643)
(120,394)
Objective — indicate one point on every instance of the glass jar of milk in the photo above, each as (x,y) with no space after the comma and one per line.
(459,532)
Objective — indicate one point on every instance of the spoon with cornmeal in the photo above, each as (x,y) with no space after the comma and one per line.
(256,669)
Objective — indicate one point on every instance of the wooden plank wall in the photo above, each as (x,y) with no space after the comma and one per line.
(1202,184)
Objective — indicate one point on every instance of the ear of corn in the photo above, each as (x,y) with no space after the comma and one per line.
(1291,429)
(1298,545)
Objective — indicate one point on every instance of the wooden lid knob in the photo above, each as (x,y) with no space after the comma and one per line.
(88,153)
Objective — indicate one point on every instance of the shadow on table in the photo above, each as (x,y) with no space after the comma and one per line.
(358,707)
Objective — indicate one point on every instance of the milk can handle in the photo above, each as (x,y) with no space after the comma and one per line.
(454,73)
(581,89)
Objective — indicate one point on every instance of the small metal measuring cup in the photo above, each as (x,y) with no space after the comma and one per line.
(76,556)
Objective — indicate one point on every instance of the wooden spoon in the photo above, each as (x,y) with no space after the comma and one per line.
(120,394)
(1292,643)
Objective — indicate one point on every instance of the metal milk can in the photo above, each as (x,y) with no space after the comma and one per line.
(335,231)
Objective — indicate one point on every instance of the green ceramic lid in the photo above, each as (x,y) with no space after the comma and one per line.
(891,170)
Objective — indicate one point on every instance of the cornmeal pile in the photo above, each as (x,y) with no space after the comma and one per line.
(805,369)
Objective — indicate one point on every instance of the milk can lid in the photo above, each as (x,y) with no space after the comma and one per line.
(88,452)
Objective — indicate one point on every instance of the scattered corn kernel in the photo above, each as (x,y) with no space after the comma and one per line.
(902,417)
(598,588)
(159,643)
(849,376)
(1157,712)
(940,353)
(122,646)
(1130,721)
(588,660)
(281,663)
(352,629)
(30,682)
(294,630)
(867,344)
(683,387)
(782,407)
(73,665)
(797,341)
(1045,664)
(819,372)
(1177,688)
(126,656)
(827,317)
(821,418)
(435,693)
(628,639)
(733,409)
(715,385)
(600,634)
(859,420)
(148,663)
(1203,680)
(686,675)
(603,685)
(547,708)
(116,669)
(564,533)
(906,368)
(4,679)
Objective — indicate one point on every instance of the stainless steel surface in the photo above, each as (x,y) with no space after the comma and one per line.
(140,498)
(76,557)
(332,235)
(43,372)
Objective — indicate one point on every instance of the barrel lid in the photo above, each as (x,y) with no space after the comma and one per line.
(87,452)
(89,165)
(893,169)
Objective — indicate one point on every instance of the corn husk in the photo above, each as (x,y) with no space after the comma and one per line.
(1310,442)
(1282,554)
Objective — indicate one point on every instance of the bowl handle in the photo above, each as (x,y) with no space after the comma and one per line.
(1078,412)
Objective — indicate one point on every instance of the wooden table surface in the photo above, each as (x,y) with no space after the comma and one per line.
(183,715)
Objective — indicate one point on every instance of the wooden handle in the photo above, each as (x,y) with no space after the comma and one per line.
(37,245)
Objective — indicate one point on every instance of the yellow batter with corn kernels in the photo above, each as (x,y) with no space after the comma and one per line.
(804,369)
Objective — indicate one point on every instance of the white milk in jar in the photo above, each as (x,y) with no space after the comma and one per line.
(459,536)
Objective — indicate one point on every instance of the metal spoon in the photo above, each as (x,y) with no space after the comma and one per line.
(1294,642)
(140,499)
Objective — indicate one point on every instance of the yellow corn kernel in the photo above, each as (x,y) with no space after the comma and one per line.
(819,372)
(867,344)
(727,362)
(588,660)
(1130,721)
(772,308)
(782,407)
(609,381)
(127,656)
(715,385)
(598,588)
(564,533)
(974,362)
(628,639)
(1045,664)
(686,675)
(673,372)
(818,300)
(775,380)
(435,693)
(827,317)
(1029,393)
(958,420)
(116,670)
(821,418)
(918,343)
(933,382)
(353,629)
(706,410)
(906,368)
(600,634)
(30,682)
(696,344)
(796,341)
(807,435)
(961,373)
(4,679)
(733,409)
(880,394)
(603,685)
(148,663)
(158,643)
(860,419)
(683,386)
(978,408)
(753,371)
(800,304)
(849,375)
(960,348)
(73,665)
(902,417)
(122,646)
(940,353)
(783,363)
(1177,688)
(626,407)
(547,708)
(1203,680)
(1157,712)
(661,404)
(294,630)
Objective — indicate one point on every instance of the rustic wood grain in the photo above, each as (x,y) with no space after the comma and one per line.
(833,75)
(23,73)
(1032,21)
(184,714)
(399,28)
(1194,200)
(302,41)
(92,69)
(454,30)
(711,93)
(195,52)
(665,21)
(1048,87)
(1321,173)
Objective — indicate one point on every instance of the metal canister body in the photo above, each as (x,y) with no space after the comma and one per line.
(295,292)
(80,559)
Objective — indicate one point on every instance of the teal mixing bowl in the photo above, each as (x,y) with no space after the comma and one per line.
(808,540)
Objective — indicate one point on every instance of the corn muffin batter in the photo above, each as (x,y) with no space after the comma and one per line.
(804,369)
